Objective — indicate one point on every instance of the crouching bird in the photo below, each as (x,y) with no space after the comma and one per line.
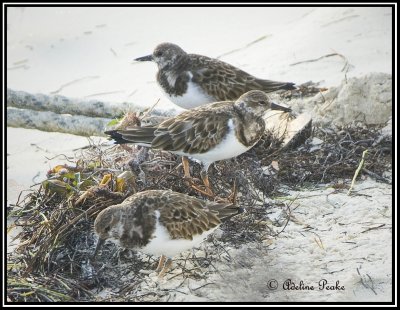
(161,222)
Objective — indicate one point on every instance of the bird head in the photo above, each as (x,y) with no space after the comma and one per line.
(106,226)
(257,102)
(164,55)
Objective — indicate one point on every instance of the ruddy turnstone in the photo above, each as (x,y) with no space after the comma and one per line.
(161,222)
(191,80)
(208,133)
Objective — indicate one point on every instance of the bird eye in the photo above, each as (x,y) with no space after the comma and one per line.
(158,54)
(107,228)
(262,102)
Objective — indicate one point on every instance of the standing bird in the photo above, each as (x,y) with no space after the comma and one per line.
(191,80)
(161,222)
(209,133)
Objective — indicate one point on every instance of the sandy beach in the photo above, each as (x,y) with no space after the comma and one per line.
(88,53)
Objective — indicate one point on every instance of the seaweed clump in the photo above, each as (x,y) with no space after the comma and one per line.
(52,261)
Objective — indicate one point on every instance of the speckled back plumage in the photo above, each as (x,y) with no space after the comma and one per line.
(218,80)
(207,133)
(195,131)
(133,222)
(226,82)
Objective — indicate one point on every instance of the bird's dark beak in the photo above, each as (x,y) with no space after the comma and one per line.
(145,58)
(98,246)
(275,106)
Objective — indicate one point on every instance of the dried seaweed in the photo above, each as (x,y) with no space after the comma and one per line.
(337,157)
(53,259)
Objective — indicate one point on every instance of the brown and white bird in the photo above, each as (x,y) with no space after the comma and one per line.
(161,222)
(191,80)
(208,133)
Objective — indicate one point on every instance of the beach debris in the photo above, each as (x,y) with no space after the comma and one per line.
(57,239)
(364,154)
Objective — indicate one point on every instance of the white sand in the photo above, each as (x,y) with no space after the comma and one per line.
(95,47)
(88,51)
(328,238)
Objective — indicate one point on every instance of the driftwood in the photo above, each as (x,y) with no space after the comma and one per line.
(68,115)
(50,121)
(63,105)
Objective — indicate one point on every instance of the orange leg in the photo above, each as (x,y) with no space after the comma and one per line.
(190,182)
(206,181)
(161,263)
(185,163)
(166,267)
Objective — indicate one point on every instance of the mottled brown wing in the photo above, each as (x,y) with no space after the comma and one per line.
(224,211)
(185,217)
(140,135)
(226,82)
(194,131)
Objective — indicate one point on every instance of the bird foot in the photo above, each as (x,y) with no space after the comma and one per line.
(161,263)
(232,196)
(203,190)
(164,265)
